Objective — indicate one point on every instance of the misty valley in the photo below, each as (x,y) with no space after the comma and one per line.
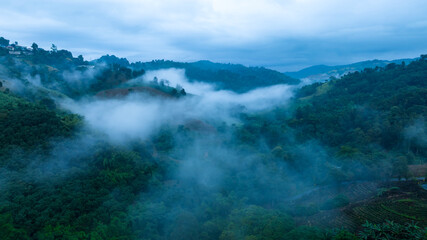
(112,149)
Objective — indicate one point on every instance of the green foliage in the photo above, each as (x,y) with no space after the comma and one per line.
(186,227)
(90,202)
(4,42)
(364,117)
(3,51)
(336,202)
(391,230)
(120,168)
(111,77)
(35,47)
(398,213)
(71,122)
(26,125)
(383,191)
(308,90)
(345,235)
(347,151)
(164,140)
(307,233)
(60,232)
(111,60)
(135,190)
(8,230)
(304,210)
(365,107)
(148,220)
(400,167)
(257,223)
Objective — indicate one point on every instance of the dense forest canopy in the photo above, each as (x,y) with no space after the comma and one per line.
(97,150)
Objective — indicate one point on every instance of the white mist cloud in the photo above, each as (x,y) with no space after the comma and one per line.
(254,100)
(177,77)
(139,116)
(417,132)
(81,80)
(122,119)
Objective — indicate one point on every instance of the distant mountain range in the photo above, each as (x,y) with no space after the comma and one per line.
(323,72)
(235,77)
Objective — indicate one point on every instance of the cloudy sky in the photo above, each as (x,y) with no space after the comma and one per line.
(280,34)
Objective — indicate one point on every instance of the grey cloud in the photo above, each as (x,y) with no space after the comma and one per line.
(278,34)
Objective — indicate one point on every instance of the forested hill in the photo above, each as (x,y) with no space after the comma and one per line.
(324,72)
(365,112)
(59,70)
(234,77)
(87,154)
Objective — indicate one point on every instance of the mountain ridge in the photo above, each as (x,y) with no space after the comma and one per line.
(324,72)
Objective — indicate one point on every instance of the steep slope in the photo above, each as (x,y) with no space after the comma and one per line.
(366,111)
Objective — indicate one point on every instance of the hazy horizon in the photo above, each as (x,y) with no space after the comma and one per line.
(281,35)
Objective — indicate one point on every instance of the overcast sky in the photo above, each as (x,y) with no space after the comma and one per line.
(280,34)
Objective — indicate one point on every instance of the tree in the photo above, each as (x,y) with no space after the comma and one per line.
(256,222)
(164,82)
(80,59)
(345,235)
(400,167)
(185,227)
(3,52)
(54,48)
(305,232)
(35,47)
(8,230)
(4,42)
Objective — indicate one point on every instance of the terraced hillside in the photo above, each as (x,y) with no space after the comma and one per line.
(400,202)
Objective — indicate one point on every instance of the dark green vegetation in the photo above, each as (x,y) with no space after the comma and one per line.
(350,206)
(369,117)
(233,77)
(27,126)
(318,168)
(225,76)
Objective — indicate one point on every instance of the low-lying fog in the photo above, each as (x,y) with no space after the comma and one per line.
(138,115)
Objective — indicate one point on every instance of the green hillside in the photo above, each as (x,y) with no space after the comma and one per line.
(372,107)
(342,159)
(225,76)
